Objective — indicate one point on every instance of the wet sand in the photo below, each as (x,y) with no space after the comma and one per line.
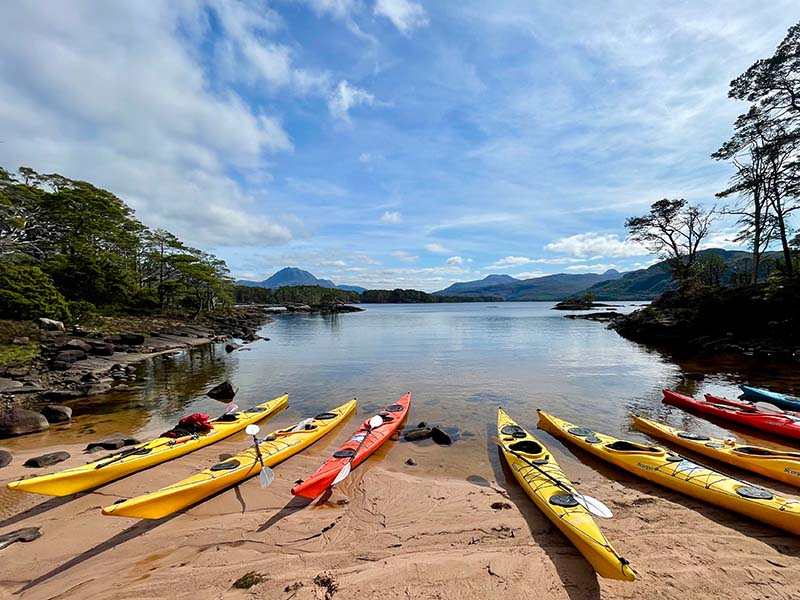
(389,531)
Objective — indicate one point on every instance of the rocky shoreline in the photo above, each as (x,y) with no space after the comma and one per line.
(81,363)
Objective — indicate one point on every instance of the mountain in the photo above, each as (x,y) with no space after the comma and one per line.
(648,284)
(463,288)
(352,288)
(292,277)
(547,288)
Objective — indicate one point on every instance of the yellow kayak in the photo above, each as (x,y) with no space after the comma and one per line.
(555,502)
(776,464)
(276,447)
(678,473)
(142,456)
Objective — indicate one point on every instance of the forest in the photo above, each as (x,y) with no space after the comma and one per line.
(69,249)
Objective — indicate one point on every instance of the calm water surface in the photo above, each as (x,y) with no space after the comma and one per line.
(460,361)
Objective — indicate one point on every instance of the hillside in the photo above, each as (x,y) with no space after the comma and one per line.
(293,277)
(547,288)
(465,287)
(648,284)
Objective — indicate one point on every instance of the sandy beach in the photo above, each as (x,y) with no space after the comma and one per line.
(391,530)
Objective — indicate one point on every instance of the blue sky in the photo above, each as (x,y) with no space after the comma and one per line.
(385,142)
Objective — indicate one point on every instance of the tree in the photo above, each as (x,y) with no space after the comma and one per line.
(673,229)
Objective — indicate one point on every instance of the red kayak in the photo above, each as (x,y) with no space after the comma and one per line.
(364,441)
(777,423)
(745,405)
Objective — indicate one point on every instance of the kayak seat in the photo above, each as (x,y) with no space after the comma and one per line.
(624,446)
(325,416)
(345,453)
(527,447)
(227,418)
(395,407)
(693,436)
(386,418)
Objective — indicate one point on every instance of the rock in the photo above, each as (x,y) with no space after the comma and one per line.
(45,460)
(76,344)
(69,356)
(113,339)
(414,435)
(440,437)
(130,369)
(26,534)
(500,506)
(94,389)
(5,458)
(89,377)
(231,347)
(51,324)
(101,348)
(411,462)
(8,386)
(59,365)
(112,443)
(224,391)
(18,421)
(21,341)
(55,413)
(132,339)
(116,367)
(422,424)
(28,387)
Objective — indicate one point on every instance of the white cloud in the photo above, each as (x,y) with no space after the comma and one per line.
(116,97)
(436,248)
(391,217)
(511,261)
(586,245)
(315,187)
(344,97)
(405,256)
(455,261)
(332,263)
(404,14)
(531,274)
(599,268)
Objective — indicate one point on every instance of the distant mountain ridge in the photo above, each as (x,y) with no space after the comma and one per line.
(547,288)
(293,277)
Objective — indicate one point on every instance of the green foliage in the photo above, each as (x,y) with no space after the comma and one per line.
(28,293)
(710,269)
(313,295)
(97,254)
(589,297)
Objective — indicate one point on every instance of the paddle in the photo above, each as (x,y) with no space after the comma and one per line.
(142,449)
(593,505)
(373,423)
(267,475)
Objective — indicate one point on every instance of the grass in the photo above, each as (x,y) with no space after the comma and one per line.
(11,354)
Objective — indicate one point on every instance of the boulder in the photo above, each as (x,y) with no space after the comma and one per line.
(63,394)
(132,339)
(51,324)
(55,413)
(112,443)
(59,365)
(113,339)
(29,387)
(421,433)
(45,460)
(8,386)
(21,341)
(440,437)
(224,391)
(18,421)
(231,347)
(69,356)
(100,348)
(76,344)
(5,458)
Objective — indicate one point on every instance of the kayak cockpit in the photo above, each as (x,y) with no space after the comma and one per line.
(756,452)
(528,447)
(630,447)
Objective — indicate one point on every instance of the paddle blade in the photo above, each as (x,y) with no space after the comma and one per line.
(252,429)
(342,474)
(375,421)
(230,408)
(593,505)
(265,477)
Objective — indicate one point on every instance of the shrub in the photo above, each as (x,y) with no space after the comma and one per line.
(28,293)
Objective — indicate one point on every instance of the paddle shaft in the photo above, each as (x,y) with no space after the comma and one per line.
(360,444)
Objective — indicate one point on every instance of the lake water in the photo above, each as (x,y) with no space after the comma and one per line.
(460,361)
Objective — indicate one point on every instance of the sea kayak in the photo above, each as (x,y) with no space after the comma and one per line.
(676,472)
(778,423)
(276,447)
(364,441)
(142,456)
(556,502)
(780,400)
(783,466)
